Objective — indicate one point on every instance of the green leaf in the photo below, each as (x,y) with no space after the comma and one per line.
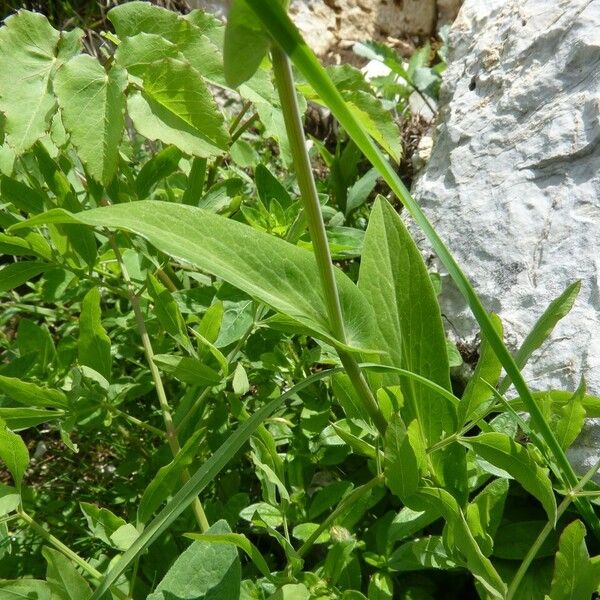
(23,418)
(381,587)
(22,196)
(109,528)
(165,308)
(392,274)
(485,512)
(14,454)
(92,103)
(203,571)
(31,244)
(246,44)
(503,452)
(64,579)
(35,340)
(557,309)
(28,46)
(176,107)
(571,418)
(420,554)
(240,382)
(488,370)
(9,500)
(33,589)
(31,394)
(359,192)
(16,274)
(161,165)
(199,480)
(573,573)
(187,369)
(275,272)
(401,464)
(94,344)
(167,477)
(241,542)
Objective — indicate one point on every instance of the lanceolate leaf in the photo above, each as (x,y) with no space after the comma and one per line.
(16,274)
(571,418)
(13,454)
(270,269)
(503,452)
(92,103)
(93,343)
(28,46)
(176,107)
(31,394)
(401,464)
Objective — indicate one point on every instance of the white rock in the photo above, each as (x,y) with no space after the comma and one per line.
(513,183)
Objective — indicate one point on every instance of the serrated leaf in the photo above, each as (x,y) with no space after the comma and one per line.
(93,344)
(28,49)
(64,579)
(176,107)
(92,103)
(573,573)
(14,454)
(503,452)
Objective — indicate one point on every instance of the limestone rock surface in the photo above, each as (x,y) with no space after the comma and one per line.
(513,183)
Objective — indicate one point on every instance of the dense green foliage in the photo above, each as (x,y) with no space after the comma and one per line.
(238,370)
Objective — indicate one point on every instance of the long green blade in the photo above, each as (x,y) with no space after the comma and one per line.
(285,33)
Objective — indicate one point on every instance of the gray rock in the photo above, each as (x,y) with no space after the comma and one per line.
(513,183)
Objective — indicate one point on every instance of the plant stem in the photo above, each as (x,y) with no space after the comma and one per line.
(541,538)
(158,384)
(345,503)
(316,227)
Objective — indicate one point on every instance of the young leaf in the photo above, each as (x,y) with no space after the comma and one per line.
(270,269)
(31,394)
(161,165)
(166,478)
(92,103)
(64,579)
(93,343)
(14,454)
(543,327)
(109,528)
(421,554)
(246,44)
(187,369)
(503,452)
(574,576)
(488,369)
(571,418)
(401,465)
(165,308)
(240,380)
(176,107)
(203,571)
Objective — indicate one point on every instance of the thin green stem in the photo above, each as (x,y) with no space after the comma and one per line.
(548,528)
(158,384)
(345,503)
(308,191)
